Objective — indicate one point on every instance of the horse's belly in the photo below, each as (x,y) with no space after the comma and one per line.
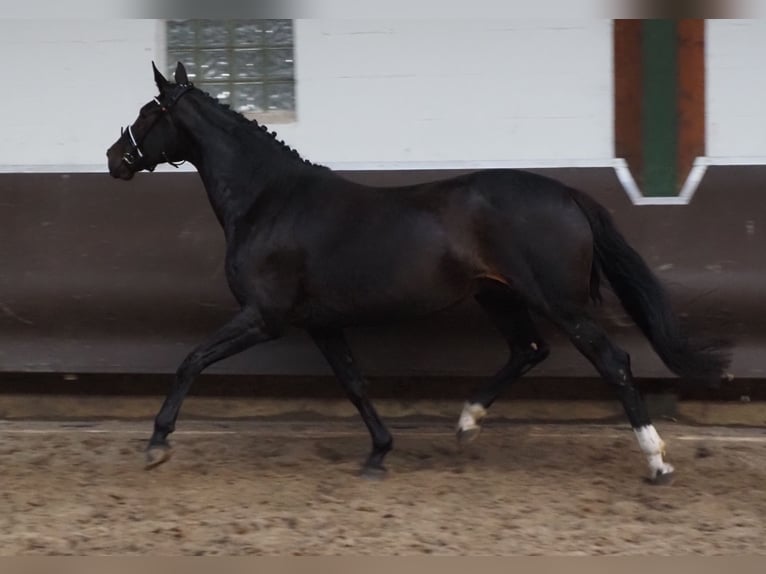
(380,302)
(408,271)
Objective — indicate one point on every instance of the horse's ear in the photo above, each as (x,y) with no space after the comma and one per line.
(159,79)
(180,74)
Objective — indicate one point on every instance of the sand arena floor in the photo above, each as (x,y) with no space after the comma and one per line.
(287,488)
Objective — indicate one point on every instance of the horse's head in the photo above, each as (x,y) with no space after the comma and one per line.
(154,137)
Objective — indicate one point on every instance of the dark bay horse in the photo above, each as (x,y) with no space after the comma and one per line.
(307,248)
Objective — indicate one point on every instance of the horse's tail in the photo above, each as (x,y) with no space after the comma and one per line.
(647,303)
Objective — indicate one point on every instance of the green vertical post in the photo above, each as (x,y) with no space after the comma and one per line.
(659,112)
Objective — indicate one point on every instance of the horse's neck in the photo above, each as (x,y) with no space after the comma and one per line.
(230,188)
(236,161)
(228,202)
(234,172)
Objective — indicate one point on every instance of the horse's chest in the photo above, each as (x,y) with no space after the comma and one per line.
(266,276)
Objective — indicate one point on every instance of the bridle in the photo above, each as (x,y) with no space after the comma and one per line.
(134,153)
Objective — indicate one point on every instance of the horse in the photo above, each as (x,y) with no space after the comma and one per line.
(307,248)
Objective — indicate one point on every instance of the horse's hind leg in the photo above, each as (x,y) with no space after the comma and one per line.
(333,345)
(614,366)
(510,315)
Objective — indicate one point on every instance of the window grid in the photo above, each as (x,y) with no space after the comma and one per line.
(245,63)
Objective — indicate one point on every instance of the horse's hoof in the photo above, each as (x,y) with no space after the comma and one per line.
(373,472)
(464,436)
(156,455)
(662,478)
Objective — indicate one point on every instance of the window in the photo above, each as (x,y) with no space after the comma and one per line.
(247,64)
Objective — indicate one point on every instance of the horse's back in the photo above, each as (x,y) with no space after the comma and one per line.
(362,253)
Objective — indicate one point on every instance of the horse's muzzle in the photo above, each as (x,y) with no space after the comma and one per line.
(121,171)
(118,169)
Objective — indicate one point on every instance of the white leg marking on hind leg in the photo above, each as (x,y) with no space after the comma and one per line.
(654,449)
(470,417)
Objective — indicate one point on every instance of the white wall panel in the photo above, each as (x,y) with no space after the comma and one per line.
(370,93)
(67,87)
(736,91)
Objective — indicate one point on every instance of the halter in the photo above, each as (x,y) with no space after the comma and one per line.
(135,153)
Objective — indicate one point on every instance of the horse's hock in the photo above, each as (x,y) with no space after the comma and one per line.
(100,278)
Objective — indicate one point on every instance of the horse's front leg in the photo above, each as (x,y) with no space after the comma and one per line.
(246,329)
(333,345)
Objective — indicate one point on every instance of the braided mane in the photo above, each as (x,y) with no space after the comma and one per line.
(254,125)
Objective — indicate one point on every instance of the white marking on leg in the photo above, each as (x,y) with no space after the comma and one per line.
(470,417)
(653,448)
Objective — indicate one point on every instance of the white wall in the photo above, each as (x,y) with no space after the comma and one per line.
(736,91)
(370,93)
(450,91)
(68,86)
